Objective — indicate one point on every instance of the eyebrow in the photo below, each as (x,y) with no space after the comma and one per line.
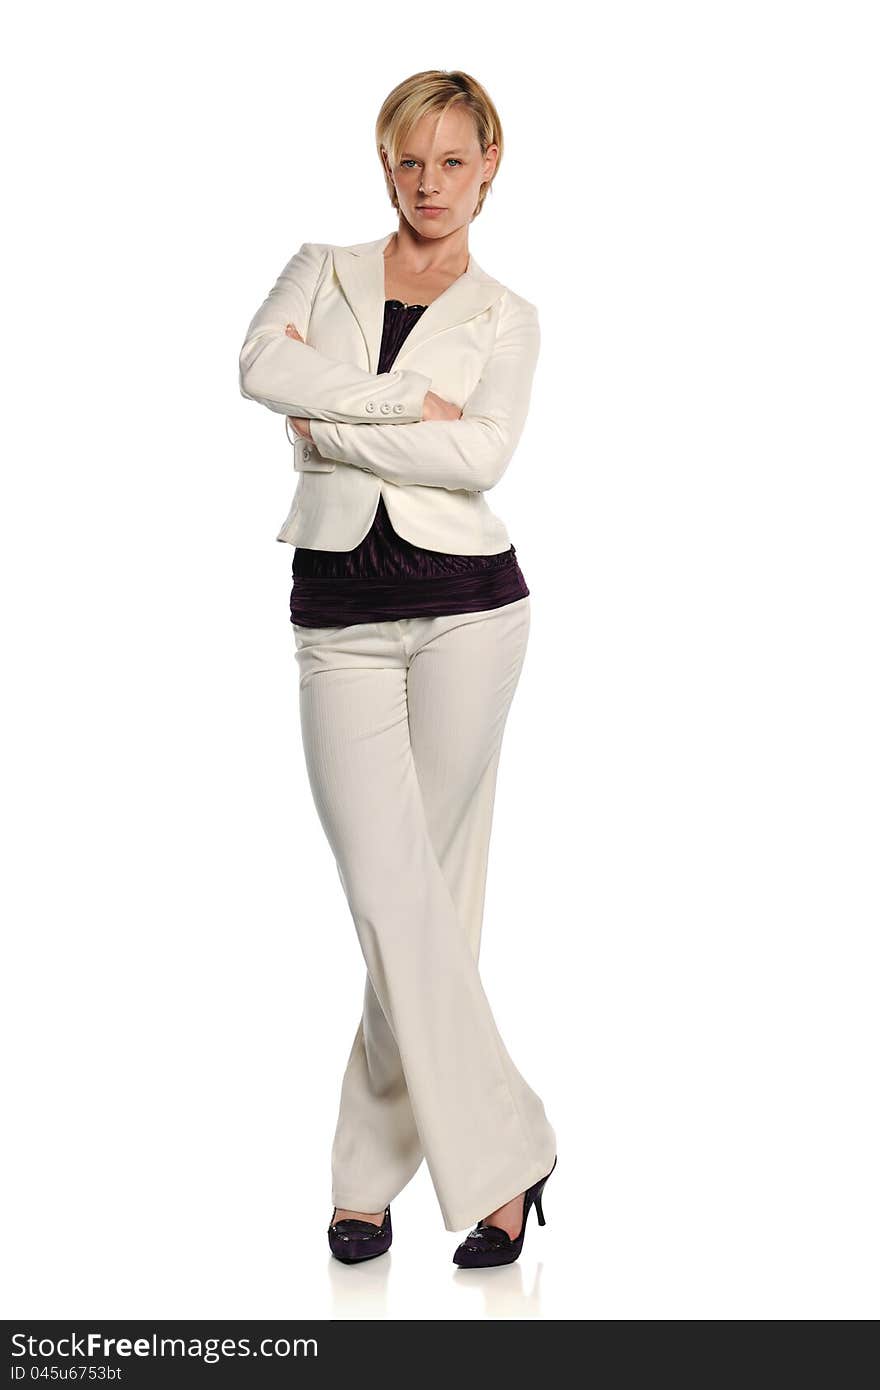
(407,154)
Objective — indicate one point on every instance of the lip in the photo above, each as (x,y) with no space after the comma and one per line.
(427,207)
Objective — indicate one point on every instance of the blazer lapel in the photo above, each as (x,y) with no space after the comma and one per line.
(360,270)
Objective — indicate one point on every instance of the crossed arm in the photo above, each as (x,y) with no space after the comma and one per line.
(470,452)
(456,449)
(434,408)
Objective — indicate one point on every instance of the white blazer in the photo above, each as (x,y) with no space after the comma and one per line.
(476,345)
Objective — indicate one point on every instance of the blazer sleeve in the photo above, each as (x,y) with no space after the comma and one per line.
(293,378)
(470,453)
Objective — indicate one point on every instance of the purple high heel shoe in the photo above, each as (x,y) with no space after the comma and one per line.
(487,1245)
(352,1240)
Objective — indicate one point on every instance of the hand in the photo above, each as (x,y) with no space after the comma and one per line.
(300,425)
(436,408)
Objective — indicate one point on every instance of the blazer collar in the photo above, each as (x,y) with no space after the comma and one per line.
(360,270)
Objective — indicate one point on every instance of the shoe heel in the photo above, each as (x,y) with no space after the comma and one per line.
(540,1212)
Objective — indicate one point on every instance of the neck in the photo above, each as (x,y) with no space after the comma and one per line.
(448,255)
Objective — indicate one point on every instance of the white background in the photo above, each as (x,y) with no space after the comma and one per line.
(680,941)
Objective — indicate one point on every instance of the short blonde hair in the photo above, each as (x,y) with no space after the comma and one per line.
(434,91)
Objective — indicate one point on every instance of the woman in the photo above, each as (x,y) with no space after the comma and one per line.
(411,617)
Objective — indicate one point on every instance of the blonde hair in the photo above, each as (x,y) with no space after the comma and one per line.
(434,91)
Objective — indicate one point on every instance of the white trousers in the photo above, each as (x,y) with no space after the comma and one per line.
(402,724)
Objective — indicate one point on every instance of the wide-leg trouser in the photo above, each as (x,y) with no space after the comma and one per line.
(402,724)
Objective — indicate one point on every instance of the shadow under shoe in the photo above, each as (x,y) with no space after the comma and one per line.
(353,1240)
(488,1245)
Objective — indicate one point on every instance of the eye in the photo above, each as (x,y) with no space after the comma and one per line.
(405,163)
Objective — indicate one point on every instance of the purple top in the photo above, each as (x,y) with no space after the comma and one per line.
(386,576)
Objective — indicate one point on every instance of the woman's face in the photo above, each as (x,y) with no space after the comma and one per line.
(441,166)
